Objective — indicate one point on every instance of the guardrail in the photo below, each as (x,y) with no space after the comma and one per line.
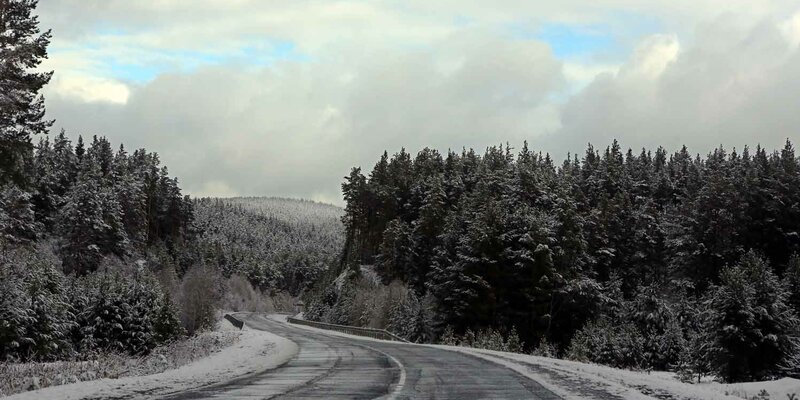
(352,330)
(233,320)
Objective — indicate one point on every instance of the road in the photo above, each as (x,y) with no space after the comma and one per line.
(335,367)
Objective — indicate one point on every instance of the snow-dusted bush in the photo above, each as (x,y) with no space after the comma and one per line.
(35,317)
(448,337)
(412,318)
(545,349)
(18,377)
(602,342)
(122,309)
(240,295)
(200,294)
(488,338)
(751,329)
(17,222)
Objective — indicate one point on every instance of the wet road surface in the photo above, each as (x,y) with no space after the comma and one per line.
(334,367)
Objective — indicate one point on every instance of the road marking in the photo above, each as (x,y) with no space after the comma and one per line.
(400,382)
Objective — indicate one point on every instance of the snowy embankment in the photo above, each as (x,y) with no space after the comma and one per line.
(252,351)
(575,380)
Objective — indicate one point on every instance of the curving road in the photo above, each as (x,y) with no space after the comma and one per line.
(333,367)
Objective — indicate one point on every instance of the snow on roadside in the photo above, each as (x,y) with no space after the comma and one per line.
(253,352)
(576,380)
(777,389)
(631,385)
(658,384)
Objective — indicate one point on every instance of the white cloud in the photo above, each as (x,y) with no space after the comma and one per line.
(581,74)
(734,85)
(89,89)
(653,56)
(382,75)
(791,29)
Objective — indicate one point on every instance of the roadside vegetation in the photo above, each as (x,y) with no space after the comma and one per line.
(106,268)
(645,260)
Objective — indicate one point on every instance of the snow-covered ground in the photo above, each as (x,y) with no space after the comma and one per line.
(254,351)
(632,384)
(781,389)
(575,380)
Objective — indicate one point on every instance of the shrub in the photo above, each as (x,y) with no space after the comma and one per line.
(545,349)
(200,294)
(448,337)
(240,295)
(617,345)
(122,309)
(35,318)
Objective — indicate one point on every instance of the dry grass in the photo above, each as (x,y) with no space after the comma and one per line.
(19,377)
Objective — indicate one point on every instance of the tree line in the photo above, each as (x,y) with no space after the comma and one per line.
(276,244)
(85,231)
(634,259)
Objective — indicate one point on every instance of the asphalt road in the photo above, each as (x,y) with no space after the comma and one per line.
(333,367)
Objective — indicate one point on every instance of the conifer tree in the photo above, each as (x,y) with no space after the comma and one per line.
(90,223)
(792,281)
(22,48)
(752,328)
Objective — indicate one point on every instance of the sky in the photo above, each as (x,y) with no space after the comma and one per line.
(283,97)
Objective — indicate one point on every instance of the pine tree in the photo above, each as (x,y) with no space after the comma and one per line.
(752,327)
(395,255)
(426,230)
(90,223)
(22,49)
(792,281)
(131,198)
(35,319)
(17,218)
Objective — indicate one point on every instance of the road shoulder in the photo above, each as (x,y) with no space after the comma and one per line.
(255,351)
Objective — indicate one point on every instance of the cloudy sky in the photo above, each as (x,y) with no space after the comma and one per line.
(282,97)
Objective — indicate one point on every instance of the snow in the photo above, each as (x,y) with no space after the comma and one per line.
(572,379)
(254,351)
(369,273)
(777,389)
(626,384)
(259,350)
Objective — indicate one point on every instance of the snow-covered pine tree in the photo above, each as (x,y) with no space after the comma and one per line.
(128,186)
(395,254)
(426,230)
(90,222)
(792,281)
(751,326)
(35,319)
(17,218)
(22,48)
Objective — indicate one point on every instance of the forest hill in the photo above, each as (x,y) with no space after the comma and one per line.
(631,259)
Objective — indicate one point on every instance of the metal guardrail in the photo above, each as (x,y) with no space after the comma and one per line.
(237,323)
(352,330)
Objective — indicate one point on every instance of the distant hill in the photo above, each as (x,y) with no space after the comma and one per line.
(276,243)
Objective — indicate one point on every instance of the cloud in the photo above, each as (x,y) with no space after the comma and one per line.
(791,29)
(652,57)
(734,85)
(281,98)
(294,129)
(90,89)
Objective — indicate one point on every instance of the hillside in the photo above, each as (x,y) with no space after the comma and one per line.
(275,243)
(651,259)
